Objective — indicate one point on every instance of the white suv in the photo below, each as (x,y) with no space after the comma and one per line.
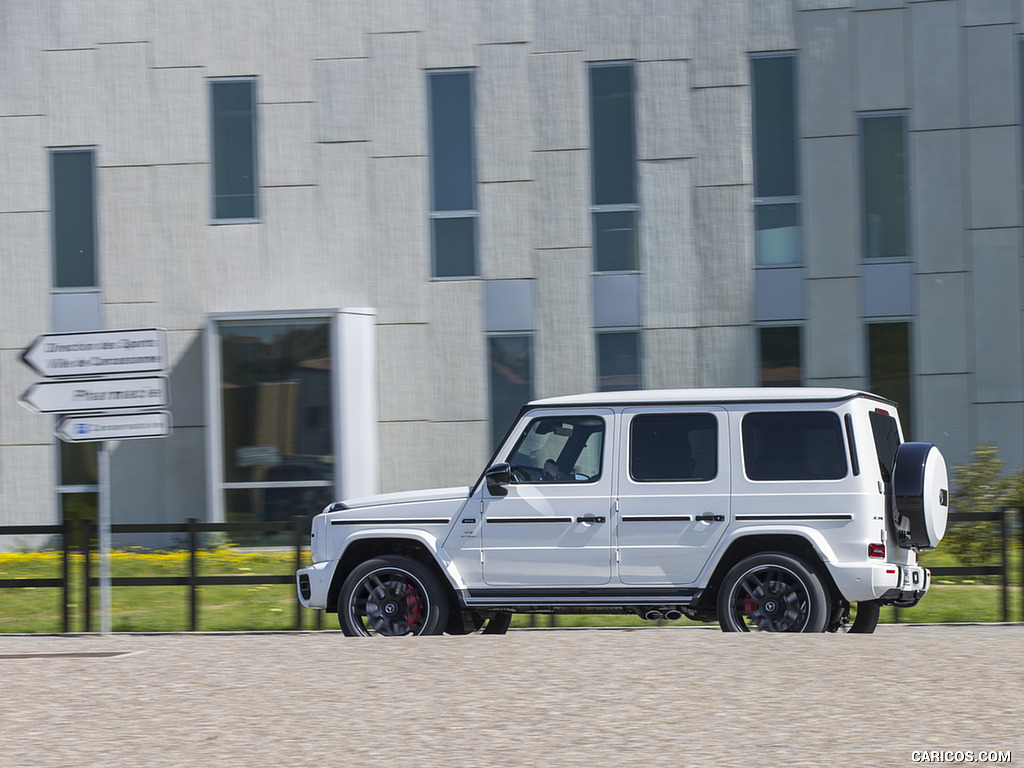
(764,509)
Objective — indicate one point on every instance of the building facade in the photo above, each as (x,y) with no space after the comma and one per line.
(372,230)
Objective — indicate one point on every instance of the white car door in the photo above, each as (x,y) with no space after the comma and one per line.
(673,493)
(553,527)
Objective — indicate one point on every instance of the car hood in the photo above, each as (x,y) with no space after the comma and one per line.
(457,493)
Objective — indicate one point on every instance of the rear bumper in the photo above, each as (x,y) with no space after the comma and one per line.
(890,583)
(313,583)
(913,585)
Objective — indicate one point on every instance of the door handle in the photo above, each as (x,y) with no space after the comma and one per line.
(590,519)
(710,518)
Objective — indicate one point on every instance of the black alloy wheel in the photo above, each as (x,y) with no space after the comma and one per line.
(392,595)
(772,592)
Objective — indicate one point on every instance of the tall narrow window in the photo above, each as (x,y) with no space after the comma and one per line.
(889,367)
(618,360)
(780,356)
(776,173)
(233,108)
(615,203)
(78,491)
(73,218)
(884,168)
(511,379)
(453,207)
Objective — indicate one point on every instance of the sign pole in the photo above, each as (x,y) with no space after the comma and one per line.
(103,457)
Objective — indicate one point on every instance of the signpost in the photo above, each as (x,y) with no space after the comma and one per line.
(93,395)
(112,405)
(96,427)
(99,353)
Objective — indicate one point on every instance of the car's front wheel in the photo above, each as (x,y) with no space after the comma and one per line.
(772,592)
(392,595)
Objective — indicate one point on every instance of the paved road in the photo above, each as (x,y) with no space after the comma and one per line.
(650,697)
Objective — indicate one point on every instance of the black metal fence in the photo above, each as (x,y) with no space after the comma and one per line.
(1003,570)
(78,539)
(85,536)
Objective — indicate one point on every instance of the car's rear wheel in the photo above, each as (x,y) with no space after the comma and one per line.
(392,595)
(772,592)
(466,622)
(866,620)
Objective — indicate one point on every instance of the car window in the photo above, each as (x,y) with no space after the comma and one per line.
(559,449)
(673,447)
(887,440)
(793,445)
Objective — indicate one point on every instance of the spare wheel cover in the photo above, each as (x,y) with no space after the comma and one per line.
(921,492)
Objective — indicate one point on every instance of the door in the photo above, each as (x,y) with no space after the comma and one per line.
(673,501)
(553,527)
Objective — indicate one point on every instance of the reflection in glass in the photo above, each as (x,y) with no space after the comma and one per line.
(618,361)
(73,218)
(889,367)
(234,149)
(78,463)
(453,176)
(615,241)
(777,234)
(775,135)
(277,412)
(781,361)
(884,158)
(454,246)
(511,379)
(612,134)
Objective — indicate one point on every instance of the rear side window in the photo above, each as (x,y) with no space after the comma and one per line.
(887,440)
(673,447)
(793,445)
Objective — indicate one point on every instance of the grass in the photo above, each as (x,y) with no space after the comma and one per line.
(272,606)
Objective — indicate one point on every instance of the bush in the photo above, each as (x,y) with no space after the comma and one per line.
(981,487)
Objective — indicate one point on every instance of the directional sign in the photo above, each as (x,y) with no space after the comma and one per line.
(120,426)
(98,353)
(96,395)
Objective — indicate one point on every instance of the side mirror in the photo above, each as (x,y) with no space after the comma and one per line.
(498,477)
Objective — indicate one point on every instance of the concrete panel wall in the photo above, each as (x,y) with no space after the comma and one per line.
(937,202)
(671,279)
(564,343)
(935,53)
(831,206)
(343,169)
(881,58)
(997,315)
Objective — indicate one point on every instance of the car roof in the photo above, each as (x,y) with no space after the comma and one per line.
(708,396)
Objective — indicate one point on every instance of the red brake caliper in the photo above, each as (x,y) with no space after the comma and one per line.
(413,606)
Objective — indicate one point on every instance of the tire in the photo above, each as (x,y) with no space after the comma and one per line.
(772,592)
(866,619)
(498,624)
(920,486)
(461,622)
(392,595)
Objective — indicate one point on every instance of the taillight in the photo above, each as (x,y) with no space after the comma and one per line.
(876,550)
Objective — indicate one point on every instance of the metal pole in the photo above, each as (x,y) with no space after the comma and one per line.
(104,521)
(193,593)
(297,541)
(87,572)
(1004,563)
(66,534)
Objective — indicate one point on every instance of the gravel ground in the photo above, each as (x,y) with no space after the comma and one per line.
(648,697)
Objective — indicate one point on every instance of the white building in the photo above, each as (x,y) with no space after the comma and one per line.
(373,229)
